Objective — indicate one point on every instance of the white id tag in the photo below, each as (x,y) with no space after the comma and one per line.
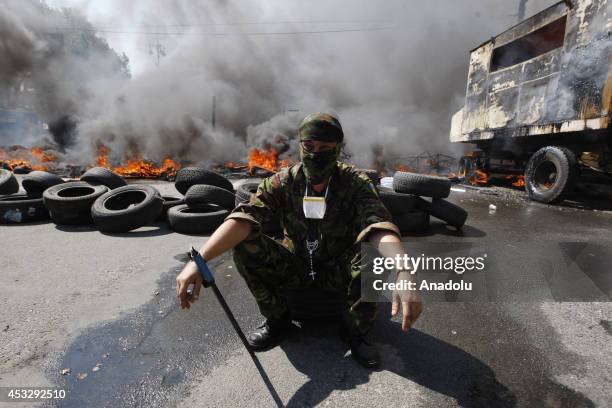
(314,207)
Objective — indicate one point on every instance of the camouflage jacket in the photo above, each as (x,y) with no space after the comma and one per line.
(353,210)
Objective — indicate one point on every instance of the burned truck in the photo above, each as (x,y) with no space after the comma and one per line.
(538,100)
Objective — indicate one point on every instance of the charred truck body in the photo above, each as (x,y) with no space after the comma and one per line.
(538,99)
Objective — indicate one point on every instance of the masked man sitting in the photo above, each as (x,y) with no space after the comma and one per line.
(326,209)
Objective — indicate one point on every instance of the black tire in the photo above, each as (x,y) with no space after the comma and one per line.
(413,221)
(203,220)
(102,175)
(372,175)
(70,203)
(38,181)
(169,202)
(127,208)
(65,218)
(444,210)
(245,191)
(190,176)
(422,185)
(396,203)
(8,183)
(22,170)
(21,208)
(551,174)
(201,194)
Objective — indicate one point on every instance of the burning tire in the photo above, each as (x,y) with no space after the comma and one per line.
(444,210)
(127,208)
(8,183)
(70,203)
(396,203)
(202,220)
(372,175)
(202,194)
(102,175)
(21,208)
(245,191)
(422,185)
(551,174)
(169,202)
(190,176)
(412,221)
(38,181)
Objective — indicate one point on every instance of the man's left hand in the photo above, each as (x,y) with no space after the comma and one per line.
(412,305)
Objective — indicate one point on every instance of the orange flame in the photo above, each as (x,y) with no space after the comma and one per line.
(263,159)
(403,167)
(138,167)
(480,177)
(517,181)
(102,160)
(30,158)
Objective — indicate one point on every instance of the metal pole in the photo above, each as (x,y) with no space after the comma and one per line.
(521,10)
(208,279)
(214,107)
(230,316)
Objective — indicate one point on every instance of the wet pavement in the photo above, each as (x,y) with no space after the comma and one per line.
(530,351)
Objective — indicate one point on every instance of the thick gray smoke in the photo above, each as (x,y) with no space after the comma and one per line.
(47,71)
(394,89)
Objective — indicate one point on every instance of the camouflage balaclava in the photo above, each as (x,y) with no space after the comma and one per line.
(322,127)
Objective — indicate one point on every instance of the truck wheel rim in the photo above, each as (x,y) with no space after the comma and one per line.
(545,176)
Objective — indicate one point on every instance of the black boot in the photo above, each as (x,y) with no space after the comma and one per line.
(362,351)
(270,333)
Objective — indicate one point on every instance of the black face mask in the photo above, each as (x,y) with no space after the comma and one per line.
(319,166)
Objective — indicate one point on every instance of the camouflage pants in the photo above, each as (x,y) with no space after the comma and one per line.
(270,269)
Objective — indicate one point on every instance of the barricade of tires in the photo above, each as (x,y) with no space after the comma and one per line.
(103,198)
(410,211)
(209,198)
(24,207)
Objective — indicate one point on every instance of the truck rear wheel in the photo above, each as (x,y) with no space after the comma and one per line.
(551,174)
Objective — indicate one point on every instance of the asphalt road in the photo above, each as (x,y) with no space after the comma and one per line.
(73,298)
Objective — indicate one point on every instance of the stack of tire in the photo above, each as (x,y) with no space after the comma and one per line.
(410,211)
(104,198)
(209,198)
(17,207)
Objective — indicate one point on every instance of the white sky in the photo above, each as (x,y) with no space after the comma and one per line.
(104,13)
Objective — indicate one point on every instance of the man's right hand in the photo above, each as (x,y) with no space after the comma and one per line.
(227,236)
(189,275)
